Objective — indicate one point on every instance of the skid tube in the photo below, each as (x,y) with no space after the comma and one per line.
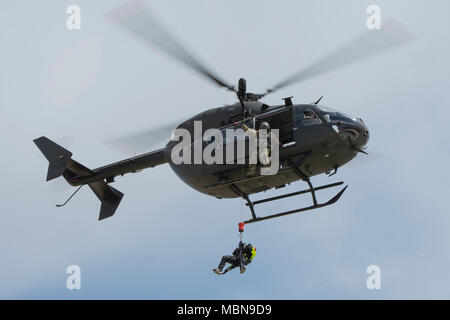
(311,190)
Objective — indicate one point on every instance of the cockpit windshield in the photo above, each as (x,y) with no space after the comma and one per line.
(333,115)
(327,109)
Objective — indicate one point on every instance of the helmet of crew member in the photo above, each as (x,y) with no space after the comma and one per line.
(250,251)
(264,125)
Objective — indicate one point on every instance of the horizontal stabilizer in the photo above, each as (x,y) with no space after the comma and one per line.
(109,197)
(57,156)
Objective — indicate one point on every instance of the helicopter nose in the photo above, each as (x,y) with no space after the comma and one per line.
(354,132)
(363,136)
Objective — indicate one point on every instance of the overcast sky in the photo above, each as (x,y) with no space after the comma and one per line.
(83,87)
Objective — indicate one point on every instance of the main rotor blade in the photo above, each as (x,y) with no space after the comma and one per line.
(372,42)
(136,18)
(139,142)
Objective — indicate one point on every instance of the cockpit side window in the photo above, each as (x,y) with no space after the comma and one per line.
(309,115)
(305,118)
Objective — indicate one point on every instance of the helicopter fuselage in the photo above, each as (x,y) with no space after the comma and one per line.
(313,140)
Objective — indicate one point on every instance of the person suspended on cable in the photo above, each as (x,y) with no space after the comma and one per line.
(242,256)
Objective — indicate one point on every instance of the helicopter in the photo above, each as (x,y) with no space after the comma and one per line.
(313,139)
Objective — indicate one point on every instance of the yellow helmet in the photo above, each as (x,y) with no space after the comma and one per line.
(250,251)
(253,253)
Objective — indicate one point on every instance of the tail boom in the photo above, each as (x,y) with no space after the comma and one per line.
(61,163)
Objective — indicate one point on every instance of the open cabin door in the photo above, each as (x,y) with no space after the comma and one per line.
(232,135)
(308,128)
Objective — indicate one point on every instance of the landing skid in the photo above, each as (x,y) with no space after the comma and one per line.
(311,190)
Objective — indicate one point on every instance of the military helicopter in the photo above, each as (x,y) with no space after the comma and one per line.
(313,139)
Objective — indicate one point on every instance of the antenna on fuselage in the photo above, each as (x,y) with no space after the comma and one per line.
(318,100)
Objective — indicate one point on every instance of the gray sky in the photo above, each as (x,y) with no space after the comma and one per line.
(165,238)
